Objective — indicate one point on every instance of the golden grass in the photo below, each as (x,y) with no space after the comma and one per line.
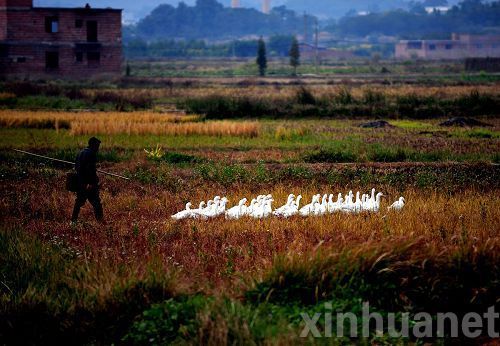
(279,92)
(204,248)
(134,123)
(209,128)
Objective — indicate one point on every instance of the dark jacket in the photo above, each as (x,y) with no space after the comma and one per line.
(86,167)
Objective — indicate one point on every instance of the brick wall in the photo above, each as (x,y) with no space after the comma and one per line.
(3,25)
(16,3)
(25,35)
(29,61)
(30,25)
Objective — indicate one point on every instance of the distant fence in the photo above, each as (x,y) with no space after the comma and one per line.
(482,64)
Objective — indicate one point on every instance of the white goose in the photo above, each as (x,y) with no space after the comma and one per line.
(374,206)
(281,210)
(263,210)
(321,208)
(249,210)
(348,205)
(196,213)
(358,204)
(294,208)
(372,198)
(308,209)
(398,205)
(330,203)
(333,207)
(238,211)
(184,214)
(222,207)
(212,210)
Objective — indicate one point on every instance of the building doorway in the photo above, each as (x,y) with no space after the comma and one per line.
(52,60)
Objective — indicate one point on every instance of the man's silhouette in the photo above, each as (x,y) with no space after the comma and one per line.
(88,182)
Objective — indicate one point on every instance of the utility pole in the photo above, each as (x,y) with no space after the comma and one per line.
(316,46)
(305,27)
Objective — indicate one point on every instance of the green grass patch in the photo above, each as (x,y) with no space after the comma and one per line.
(167,322)
(412,124)
(49,295)
(373,274)
(481,133)
(330,156)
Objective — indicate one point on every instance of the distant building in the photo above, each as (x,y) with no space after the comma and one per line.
(460,46)
(435,9)
(308,52)
(58,42)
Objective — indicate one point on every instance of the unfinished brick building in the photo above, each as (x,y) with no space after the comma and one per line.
(41,42)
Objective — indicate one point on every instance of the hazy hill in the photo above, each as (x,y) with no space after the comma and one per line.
(135,10)
(208,19)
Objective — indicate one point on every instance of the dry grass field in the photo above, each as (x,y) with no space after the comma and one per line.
(135,123)
(144,278)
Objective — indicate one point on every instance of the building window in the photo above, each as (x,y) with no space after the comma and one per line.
(432,47)
(4,51)
(79,56)
(415,45)
(21,59)
(479,46)
(51,24)
(92,31)
(52,59)
(78,23)
(94,58)
(448,46)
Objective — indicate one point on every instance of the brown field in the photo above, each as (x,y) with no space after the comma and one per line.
(142,274)
(140,229)
(281,91)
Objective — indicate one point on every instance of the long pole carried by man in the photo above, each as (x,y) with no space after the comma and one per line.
(84,181)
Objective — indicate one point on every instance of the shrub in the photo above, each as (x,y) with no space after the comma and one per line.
(164,323)
(330,156)
(172,157)
(344,96)
(122,102)
(305,97)
(21,89)
(221,173)
(220,107)
(381,154)
(372,98)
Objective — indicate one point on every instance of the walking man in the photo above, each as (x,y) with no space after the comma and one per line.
(88,182)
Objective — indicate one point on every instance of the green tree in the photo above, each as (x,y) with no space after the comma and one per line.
(294,55)
(261,57)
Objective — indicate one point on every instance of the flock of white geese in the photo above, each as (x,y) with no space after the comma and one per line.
(261,207)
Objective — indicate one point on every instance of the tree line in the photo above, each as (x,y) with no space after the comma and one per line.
(277,45)
(208,19)
(471,16)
